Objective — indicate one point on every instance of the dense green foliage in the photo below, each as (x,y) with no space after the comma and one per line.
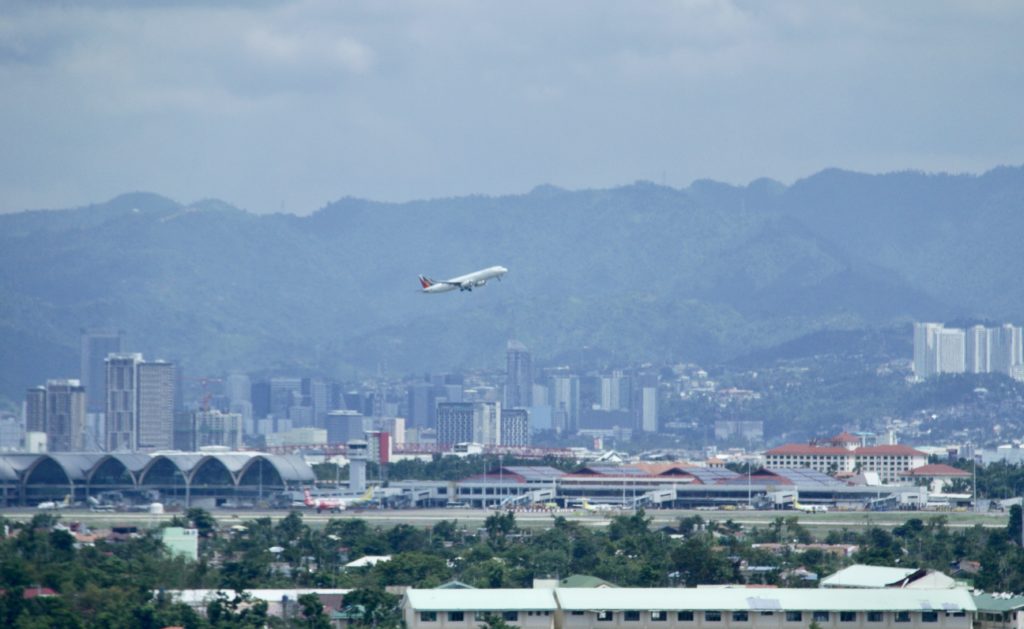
(113,584)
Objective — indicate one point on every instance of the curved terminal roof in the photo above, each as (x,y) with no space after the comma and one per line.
(79,467)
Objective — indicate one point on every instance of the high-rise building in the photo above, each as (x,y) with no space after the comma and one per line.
(454,423)
(515,427)
(35,409)
(65,415)
(316,395)
(260,399)
(285,392)
(649,409)
(214,428)
(978,349)
(952,344)
(155,428)
(938,349)
(518,376)
(344,426)
(122,401)
(487,423)
(565,403)
(616,391)
(926,354)
(1006,348)
(421,401)
(96,345)
(140,403)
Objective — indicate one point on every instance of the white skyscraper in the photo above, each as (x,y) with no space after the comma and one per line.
(978,350)
(952,352)
(926,354)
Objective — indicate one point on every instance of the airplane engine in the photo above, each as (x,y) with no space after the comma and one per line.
(479,282)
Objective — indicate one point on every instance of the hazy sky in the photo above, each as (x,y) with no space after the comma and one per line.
(288,105)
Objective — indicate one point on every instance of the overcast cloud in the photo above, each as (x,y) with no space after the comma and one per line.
(289,105)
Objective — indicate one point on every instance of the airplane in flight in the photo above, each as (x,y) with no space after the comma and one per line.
(465,282)
(336,505)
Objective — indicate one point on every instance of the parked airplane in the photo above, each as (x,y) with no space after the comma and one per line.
(468,282)
(810,508)
(53,505)
(336,505)
(597,508)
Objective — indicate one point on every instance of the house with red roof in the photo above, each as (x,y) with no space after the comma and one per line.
(938,475)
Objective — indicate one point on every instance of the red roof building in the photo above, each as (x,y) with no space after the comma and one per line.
(891,462)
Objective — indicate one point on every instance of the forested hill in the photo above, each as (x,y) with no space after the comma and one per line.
(636,272)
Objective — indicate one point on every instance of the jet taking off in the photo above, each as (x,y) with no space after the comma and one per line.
(468,282)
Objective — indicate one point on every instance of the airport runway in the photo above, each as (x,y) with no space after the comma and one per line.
(472,518)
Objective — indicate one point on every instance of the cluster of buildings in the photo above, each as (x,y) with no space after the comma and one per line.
(978,349)
(122,402)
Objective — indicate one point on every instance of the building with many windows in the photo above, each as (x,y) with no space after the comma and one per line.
(689,608)
(844,454)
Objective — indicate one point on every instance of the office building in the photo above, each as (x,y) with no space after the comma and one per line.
(344,426)
(515,427)
(565,402)
(96,345)
(454,423)
(122,401)
(35,409)
(65,415)
(649,409)
(140,404)
(214,428)
(518,376)
(155,428)
(420,403)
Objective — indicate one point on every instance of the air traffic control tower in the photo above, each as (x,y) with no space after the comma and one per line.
(358,455)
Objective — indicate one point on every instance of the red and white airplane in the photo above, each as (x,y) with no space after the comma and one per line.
(336,505)
(468,281)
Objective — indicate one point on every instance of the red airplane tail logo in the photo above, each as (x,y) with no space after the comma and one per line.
(426,282)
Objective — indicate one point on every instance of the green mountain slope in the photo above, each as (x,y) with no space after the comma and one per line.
(642,272)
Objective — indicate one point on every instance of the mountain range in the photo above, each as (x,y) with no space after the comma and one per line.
(640,273)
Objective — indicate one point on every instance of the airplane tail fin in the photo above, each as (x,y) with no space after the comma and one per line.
(367,495)
(308,498)
(426,282)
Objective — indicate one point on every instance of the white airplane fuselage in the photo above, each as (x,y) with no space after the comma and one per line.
(465,282)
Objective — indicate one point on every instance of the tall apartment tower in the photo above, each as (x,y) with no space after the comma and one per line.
(952,350)
(518,376)
(1006,348)
(97,344)
(155,428)
(978,349)
(926,349)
